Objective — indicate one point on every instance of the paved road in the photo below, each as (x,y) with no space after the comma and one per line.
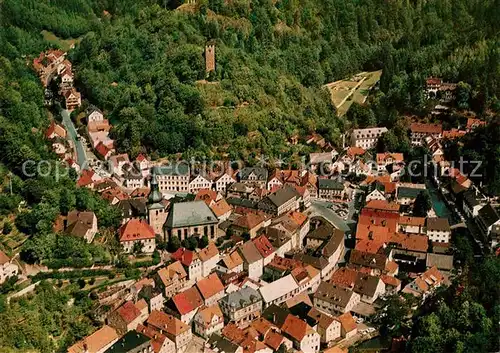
(70,128)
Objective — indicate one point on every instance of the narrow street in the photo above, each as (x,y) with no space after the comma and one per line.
(70,127)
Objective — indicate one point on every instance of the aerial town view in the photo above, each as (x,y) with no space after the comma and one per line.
(248,176)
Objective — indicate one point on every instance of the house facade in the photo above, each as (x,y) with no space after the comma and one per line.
(209,320)
(366,138)
(420,131)
(254,176)
(334,300)
(242,307)
(173,178)
(137,231)
(329,189)
(438,230)
(198,183)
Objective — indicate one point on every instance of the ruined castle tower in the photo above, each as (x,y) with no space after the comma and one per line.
(210,57)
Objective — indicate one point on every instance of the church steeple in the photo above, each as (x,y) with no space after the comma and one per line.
(155,195)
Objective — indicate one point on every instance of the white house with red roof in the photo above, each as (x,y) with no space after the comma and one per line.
(185,305)
(88,179)
(143,164)
(55,131)
(191,262)
(209,320)
(103,151)
(72,98)
(211,289)
(303,336)
(137,231)
(265,248)
(127,317)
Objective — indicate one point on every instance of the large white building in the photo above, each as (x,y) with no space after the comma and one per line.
(173,178)
(438,230)
(366,138)
(279,291)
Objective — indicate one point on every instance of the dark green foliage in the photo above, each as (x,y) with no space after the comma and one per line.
(7,228)
(137,248)
(61,250)
(82,283)
(31,323)
(361,116)
(480,156)
(464,317)
(173,243)
(203,243)
(422,204)
(190,243)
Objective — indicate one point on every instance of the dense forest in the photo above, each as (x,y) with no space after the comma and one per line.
(142,62)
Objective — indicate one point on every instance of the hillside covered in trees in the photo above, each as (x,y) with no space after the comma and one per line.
(140,61)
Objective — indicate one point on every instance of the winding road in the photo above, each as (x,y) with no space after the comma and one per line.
(70,127)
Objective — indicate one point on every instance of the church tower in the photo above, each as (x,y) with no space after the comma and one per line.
(157,211)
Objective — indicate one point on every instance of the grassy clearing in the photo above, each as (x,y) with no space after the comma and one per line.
(64,44)
(354,89)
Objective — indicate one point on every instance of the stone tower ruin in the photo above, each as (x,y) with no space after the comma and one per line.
(210,58)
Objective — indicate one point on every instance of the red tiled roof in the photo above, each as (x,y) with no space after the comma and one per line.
(167,323)
(355,151)
(412,242)
(347,322)
(206,195)
(412,221)
(157,339)
(380,178)
(273,340)
(382,205)
(186,257)
(453,133)
(128,312)
(298,217)
(55,128)
(102,149)
(220,208)
(434,81)
(392,281)
(345,277)
(136,229)
(284,264)
(294,327)
(472,123)
(426,128)
(210,286)
(85,178)
(261,325)
(4,258)
(249,220)
(382,157)
(233,333)
(187,301)
(391,267)
(263,245)
(140,157)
